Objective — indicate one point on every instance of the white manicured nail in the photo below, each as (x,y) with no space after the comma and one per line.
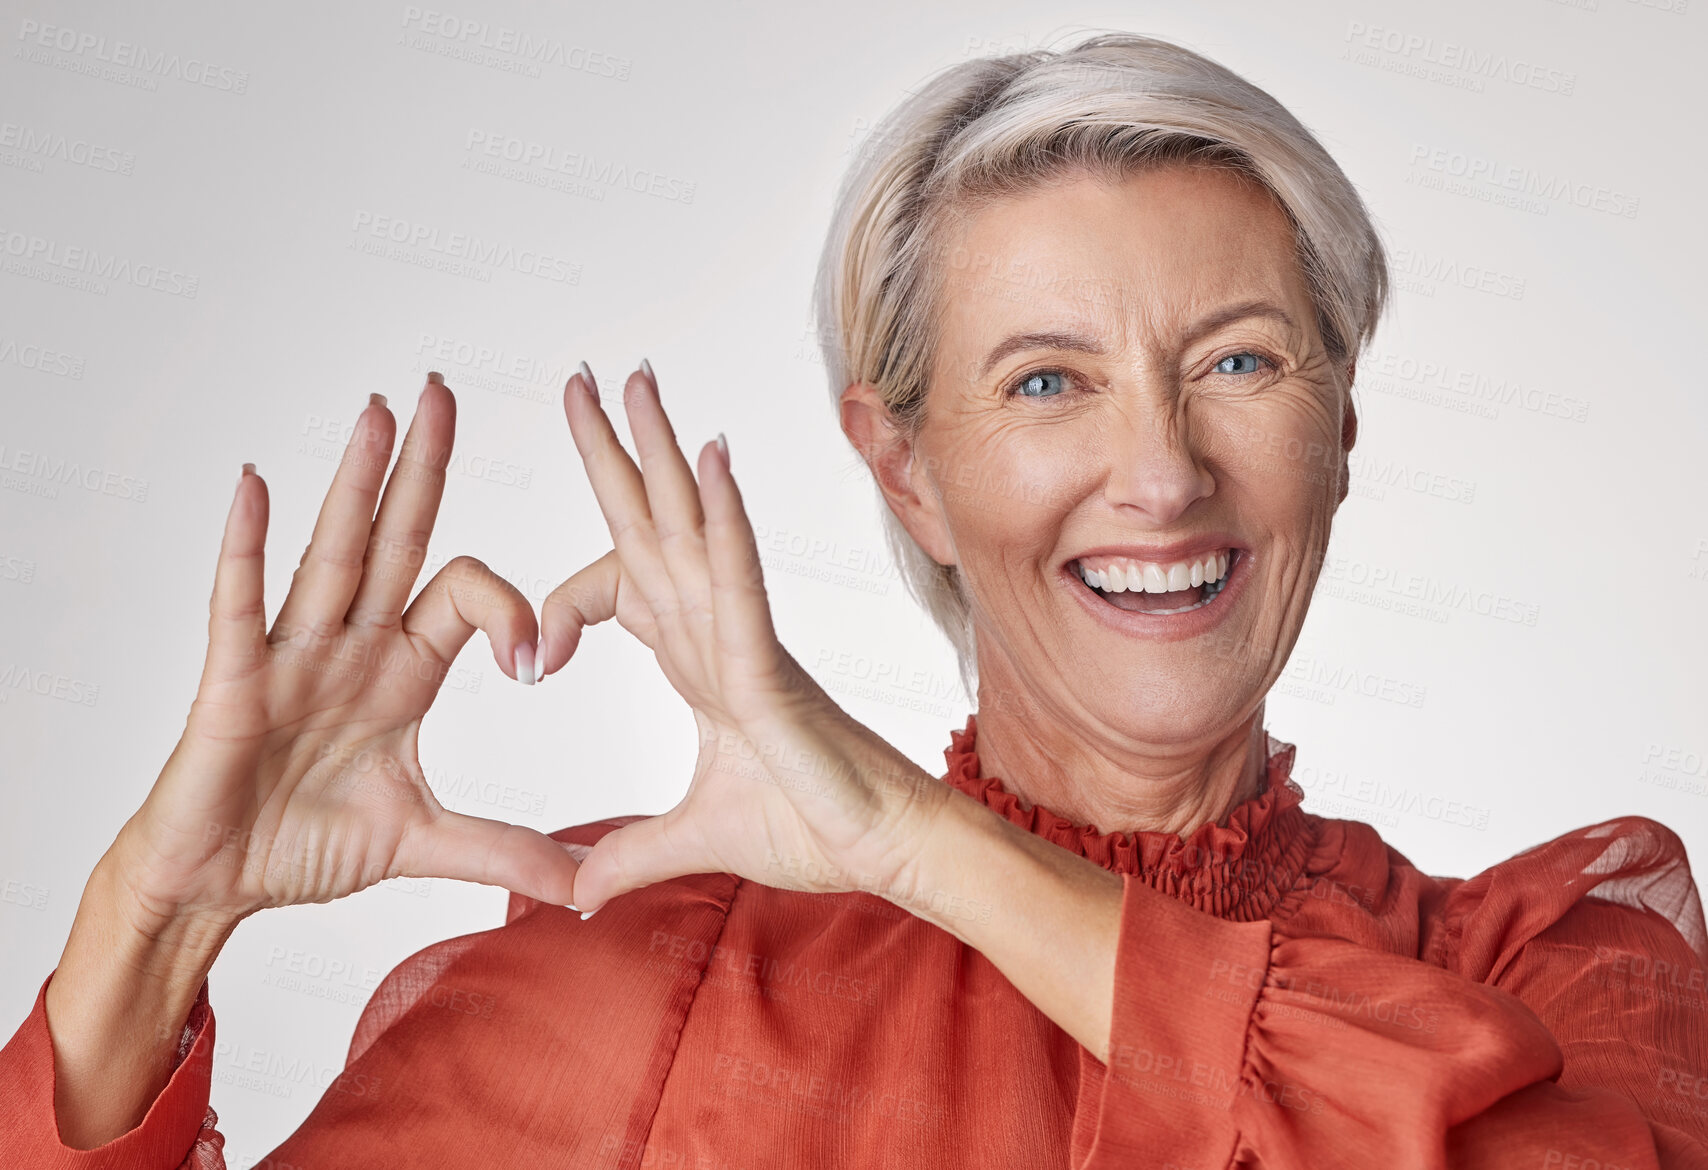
(525,664)
(586,914)
(646,368)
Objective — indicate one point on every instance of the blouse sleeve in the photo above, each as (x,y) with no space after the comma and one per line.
(178,1132)
(1559,1024)
(358,1116)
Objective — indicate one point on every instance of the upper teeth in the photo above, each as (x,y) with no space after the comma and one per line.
(1121,575)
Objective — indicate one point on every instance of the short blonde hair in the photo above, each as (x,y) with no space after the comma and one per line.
(998,127)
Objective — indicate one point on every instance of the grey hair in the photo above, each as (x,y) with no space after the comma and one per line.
(998,127)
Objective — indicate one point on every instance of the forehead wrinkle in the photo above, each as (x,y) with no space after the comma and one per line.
(1132,299)
(1123,312)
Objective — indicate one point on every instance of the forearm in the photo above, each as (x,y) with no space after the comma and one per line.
(116,1006)
(1048,919)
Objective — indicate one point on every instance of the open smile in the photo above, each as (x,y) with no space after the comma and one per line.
(1160,599)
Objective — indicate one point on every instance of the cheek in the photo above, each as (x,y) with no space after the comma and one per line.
(1007,489)
(1281,463)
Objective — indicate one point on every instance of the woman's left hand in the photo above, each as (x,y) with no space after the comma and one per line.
(789,790)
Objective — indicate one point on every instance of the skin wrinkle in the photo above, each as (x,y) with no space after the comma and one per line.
(1142,445)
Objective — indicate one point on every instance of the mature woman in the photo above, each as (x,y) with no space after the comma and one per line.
(1094,322)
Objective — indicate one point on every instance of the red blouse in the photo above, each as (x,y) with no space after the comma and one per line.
(1289,992)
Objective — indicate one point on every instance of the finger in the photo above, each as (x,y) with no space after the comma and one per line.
(397,546)
(588,597)
(673,498)
(466,596)
(621,492)
(476,849)
(237,614)
(655,849)
(331,569)
(743,628)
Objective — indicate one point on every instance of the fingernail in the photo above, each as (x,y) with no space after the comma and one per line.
(587,382)
(723,449)
(572,906)
(376,400)
(435,377)
(248,469)
(525,664)
(646,368)
(586,914)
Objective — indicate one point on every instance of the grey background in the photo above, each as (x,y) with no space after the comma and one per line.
(1529,453)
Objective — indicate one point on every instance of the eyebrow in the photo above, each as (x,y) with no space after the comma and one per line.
(1081,343)
(1020,342)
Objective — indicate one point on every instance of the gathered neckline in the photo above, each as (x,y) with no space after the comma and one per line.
(1236,868)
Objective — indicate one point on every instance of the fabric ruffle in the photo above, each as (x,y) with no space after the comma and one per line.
(1237,868)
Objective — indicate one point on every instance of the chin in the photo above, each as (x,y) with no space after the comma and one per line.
(1165,708)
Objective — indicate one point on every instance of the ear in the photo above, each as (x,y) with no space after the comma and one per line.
(890,455)
(1348,435)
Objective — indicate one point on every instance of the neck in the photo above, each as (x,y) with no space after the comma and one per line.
(1115,783)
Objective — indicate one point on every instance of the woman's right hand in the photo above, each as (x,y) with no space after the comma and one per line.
(297,777)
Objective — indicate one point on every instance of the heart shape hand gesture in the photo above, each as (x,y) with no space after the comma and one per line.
(788,790)
(297,778)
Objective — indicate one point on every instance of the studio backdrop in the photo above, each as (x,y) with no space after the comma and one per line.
(222,228)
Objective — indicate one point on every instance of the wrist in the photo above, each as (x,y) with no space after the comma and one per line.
(154,935)
(937,883)
(116,1008)
(1044,916)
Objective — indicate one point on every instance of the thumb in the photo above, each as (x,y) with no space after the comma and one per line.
(495,853)
(655,849)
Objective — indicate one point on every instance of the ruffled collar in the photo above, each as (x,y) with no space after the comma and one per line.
(1238,868)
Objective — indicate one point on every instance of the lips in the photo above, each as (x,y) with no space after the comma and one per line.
(1166,615)
(1185,549)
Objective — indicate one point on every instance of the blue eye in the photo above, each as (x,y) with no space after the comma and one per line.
(1039,385)
(1246,363)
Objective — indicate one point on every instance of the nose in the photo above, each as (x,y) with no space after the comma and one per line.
(1155,469)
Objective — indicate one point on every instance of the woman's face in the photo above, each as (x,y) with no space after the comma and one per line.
(1130,379)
